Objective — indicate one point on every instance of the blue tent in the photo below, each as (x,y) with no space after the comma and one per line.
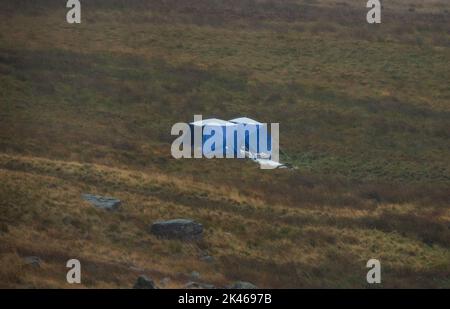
(256,130)
(225,131)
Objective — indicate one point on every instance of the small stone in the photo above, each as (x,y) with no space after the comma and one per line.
(143,282)
(195,275)
(135,268)
(207,259)
(192,285)
(198,285)
(243,285)
(32,261)
(165,281)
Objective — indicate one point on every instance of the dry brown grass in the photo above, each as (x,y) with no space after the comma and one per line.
(273,245)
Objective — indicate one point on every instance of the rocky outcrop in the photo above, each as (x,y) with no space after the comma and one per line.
(185,229)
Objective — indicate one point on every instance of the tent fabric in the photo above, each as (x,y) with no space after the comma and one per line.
(212,122)
(245,120)
(227,131)
(253,129)
(260,153)
(269,164)
(219,127)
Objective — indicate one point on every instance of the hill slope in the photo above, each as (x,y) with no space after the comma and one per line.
(363,110)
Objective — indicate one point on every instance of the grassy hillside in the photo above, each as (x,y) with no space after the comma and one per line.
(364,113)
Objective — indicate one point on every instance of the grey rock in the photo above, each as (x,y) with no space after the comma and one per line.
(165,281)
(32,261)
(185,229)
(207,259)
(198,285)
(103,202)
(195,275)
(143,282)
(242,285)
(136,268)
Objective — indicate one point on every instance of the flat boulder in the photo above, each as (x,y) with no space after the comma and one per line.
(185,229)
(103,202)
